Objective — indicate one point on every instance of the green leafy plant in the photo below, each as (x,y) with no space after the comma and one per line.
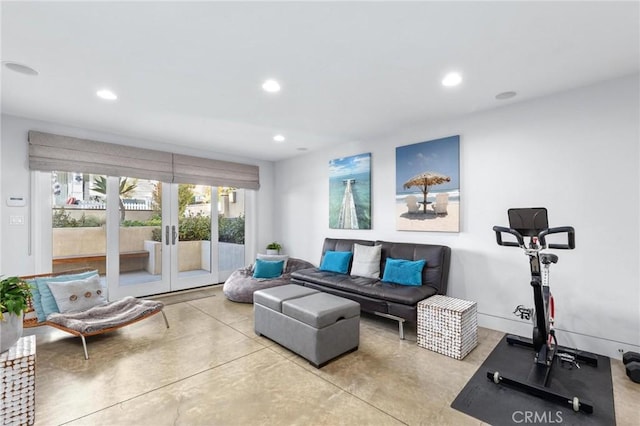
(14,296)
(231,229)
(154,221)
(156,234)
(274,246)
(62,219)
(194,228)
(198,227)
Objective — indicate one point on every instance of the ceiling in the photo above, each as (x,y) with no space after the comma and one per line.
(190,73)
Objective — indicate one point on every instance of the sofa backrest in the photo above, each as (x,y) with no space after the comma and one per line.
(339,244)
(438,257)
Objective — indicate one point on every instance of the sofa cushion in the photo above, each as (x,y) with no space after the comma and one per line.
(403,272)
(336,261)
(438,257)
(370,287)
(339,244)
(366,261)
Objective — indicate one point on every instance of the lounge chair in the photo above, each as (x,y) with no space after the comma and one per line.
(412,204)
(440,206)
(98,319)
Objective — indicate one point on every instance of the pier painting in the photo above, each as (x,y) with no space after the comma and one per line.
(350,192)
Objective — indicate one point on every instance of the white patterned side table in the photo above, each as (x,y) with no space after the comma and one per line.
(447,325)
(18,383)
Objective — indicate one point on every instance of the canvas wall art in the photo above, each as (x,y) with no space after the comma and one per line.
(350,192)
(428,186)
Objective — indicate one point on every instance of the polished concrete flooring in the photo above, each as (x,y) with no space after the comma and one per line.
(210,368)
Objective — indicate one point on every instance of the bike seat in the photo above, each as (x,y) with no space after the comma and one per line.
(547,258)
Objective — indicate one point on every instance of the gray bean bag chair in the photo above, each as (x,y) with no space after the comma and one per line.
(240,285)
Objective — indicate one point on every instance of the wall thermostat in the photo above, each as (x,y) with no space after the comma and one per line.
(16,201)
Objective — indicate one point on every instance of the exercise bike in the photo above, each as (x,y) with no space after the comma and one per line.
(533,223)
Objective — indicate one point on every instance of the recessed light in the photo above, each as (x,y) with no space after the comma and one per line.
(278,138)
(107,94)
(271,86)
(21,68)
(452,79)
(505,95)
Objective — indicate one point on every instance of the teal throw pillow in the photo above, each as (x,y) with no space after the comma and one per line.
(47,300)
(35,300)
(336,261)
(403,272)
(268,268)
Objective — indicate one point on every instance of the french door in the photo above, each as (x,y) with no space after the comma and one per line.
(180,253)
(146,237)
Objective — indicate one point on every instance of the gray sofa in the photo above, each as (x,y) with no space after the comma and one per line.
(397,302)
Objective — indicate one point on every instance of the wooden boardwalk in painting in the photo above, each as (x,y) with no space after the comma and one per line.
(348,218)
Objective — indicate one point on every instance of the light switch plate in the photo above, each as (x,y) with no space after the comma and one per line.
(16,220)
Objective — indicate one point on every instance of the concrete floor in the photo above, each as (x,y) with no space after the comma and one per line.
(210,368)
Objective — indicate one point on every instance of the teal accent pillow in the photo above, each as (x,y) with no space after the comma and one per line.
(48,302)
(336,261)
(268,268)
(403,272)
(35,300)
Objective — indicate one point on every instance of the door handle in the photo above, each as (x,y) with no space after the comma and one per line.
(175,235)
(166,232)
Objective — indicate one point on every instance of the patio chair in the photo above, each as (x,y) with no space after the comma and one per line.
(440,206)
(412,204)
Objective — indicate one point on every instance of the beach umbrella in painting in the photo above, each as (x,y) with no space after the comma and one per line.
(424,181)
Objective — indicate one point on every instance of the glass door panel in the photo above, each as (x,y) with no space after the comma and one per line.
(140,255)
(78,218)
(193,260)
(137,257)
(231,231)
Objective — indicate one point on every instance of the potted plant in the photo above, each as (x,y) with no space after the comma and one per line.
(274,248)
(14,300)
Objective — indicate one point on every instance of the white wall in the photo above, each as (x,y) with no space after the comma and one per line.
(18,259)
(575,153)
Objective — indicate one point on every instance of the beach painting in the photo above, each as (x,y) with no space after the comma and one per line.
(428,186)
(350,192)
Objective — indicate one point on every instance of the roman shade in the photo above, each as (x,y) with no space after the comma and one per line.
(49,152)
(204,171)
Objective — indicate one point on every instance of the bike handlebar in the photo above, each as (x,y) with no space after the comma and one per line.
(571,237)
(500,229)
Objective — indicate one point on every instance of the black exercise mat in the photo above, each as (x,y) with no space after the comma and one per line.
(498,404)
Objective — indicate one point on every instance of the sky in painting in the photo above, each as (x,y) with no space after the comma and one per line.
(439,155)
(348,166)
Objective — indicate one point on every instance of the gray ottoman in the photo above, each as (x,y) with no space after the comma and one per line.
(317,326)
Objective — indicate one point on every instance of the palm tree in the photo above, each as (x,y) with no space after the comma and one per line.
(126,188)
